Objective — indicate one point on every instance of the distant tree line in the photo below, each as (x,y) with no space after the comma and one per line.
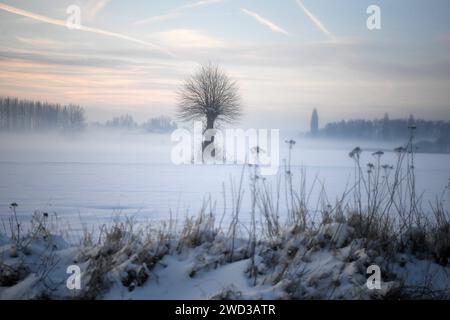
(431,136)
(122,122)
(18,115)
(159,125)
(386,129)
(154,125)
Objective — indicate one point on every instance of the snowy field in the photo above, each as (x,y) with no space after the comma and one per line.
(95,177)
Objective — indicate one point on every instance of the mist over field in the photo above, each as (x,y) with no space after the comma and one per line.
(99,174)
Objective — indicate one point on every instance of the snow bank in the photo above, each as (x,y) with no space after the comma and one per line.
(328,264)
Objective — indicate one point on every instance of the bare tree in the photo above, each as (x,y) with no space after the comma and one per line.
(211,96)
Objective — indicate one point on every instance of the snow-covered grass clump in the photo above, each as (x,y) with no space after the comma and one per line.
(202,262)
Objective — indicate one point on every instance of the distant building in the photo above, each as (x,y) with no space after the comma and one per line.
(314,123)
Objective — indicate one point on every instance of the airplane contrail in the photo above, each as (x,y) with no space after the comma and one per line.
(199,4)
(272,26)
(176,12)
(99,6)
(315,20)
(62,23)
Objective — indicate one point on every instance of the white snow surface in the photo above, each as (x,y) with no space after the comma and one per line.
(328,265)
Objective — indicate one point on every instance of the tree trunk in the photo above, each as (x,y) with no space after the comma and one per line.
(209,125)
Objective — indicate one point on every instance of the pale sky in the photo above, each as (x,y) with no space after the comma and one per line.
(288,56)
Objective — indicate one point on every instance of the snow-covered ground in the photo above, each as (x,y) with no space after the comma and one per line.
(328,264)
(92,178)
(85,190)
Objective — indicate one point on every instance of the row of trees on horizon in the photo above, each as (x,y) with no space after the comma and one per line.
(386,129)
(160,124)
(18,115)
(430,136)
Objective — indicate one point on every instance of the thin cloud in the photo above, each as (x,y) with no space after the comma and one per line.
(62,23)
(40,42)
(199,4)
(315,20)
(97,7)
(175,13)
(164,17)
(188,39)
(272,26)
